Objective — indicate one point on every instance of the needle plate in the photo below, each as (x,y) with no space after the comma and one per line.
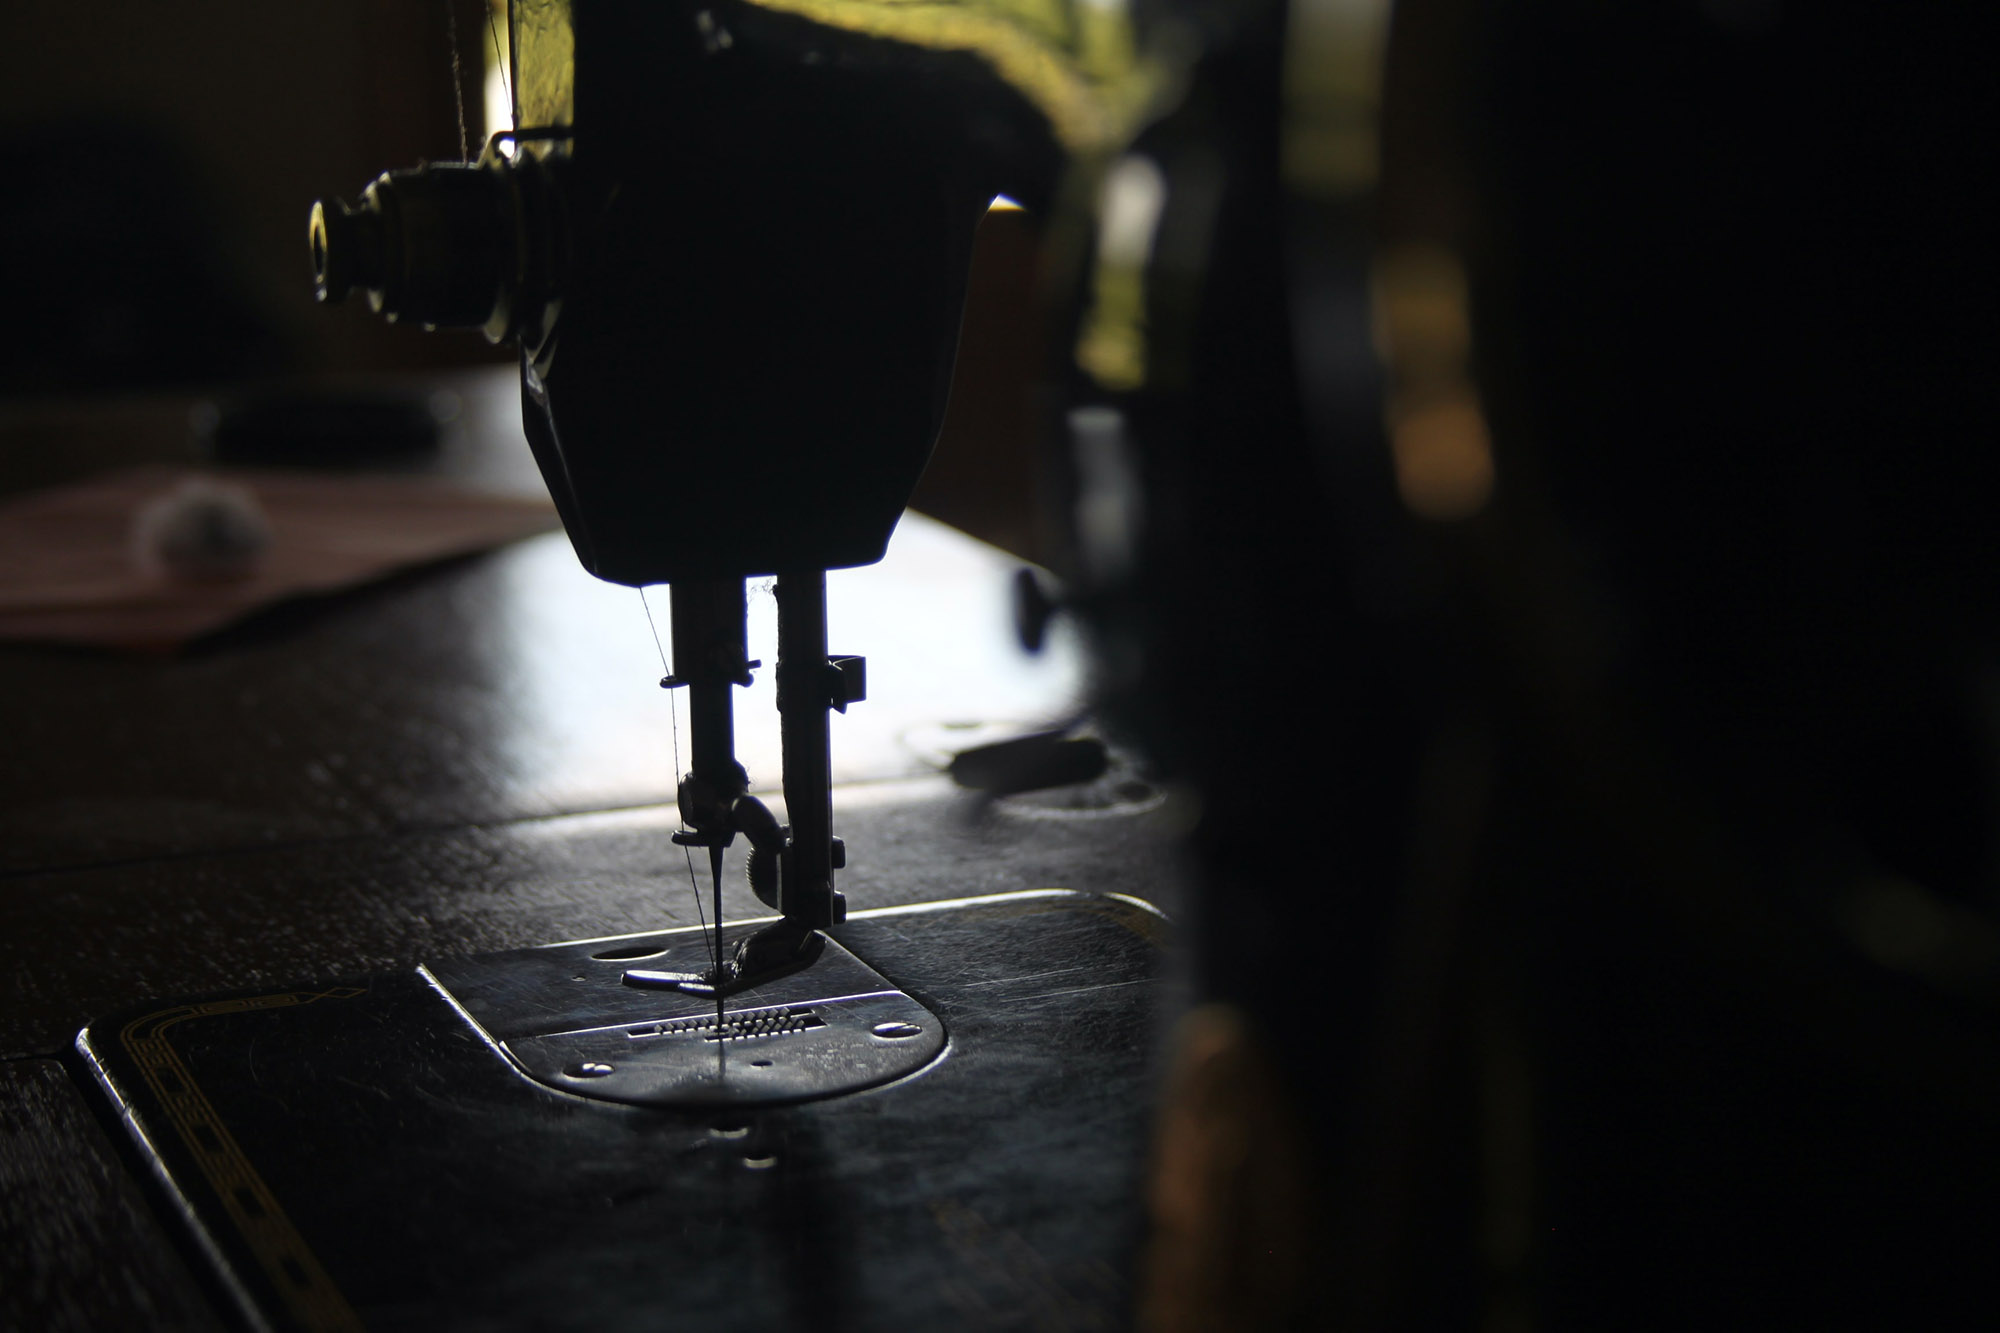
(564,1016)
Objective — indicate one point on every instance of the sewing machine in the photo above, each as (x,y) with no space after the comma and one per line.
(1594,754)
(760,216)
(730,243)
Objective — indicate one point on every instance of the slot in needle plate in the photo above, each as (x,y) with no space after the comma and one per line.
(564,1016)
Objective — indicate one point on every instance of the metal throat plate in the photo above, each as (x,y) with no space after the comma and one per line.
(564,1016)
(352,1154)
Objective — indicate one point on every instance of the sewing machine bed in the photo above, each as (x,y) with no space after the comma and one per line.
(364,1155)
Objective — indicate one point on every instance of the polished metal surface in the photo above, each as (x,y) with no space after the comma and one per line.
(566,1017)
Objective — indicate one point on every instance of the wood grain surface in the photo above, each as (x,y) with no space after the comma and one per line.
(79,1250)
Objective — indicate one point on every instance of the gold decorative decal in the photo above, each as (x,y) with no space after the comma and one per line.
(314,1301)
(542,43)
(1075,61)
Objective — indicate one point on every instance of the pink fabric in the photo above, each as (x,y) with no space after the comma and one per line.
(67,572)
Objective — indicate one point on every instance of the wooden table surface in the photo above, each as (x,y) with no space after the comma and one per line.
(465,758)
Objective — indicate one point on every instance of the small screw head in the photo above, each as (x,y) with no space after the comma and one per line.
(895,1031)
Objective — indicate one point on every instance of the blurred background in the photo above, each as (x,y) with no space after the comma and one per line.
(159,162)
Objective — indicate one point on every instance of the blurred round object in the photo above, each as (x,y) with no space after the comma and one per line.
(201,531)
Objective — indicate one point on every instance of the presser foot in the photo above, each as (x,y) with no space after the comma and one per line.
(777,950)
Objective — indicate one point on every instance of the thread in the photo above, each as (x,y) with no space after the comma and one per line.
(500,59)
(457,79)
(674,716)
